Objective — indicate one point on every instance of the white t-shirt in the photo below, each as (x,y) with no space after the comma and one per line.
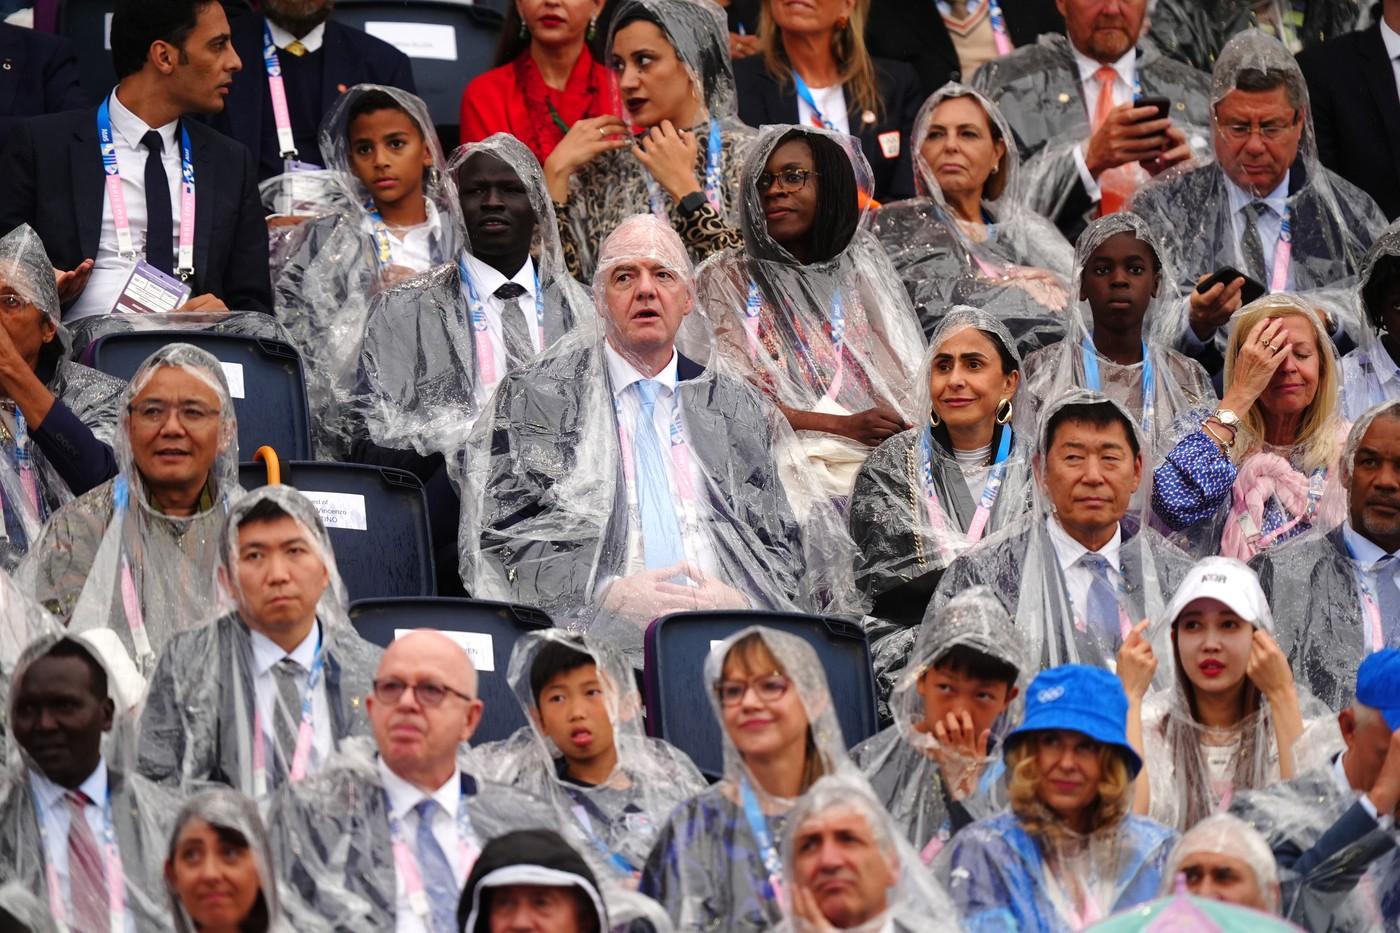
(831,101)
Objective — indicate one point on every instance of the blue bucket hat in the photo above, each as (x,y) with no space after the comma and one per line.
(1083,699)
(1378,685)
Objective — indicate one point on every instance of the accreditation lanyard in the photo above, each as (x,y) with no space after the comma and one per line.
(714,180)
(1093,382)
(277,88)
(406,864)
(804,92)
(24,459)
(125,244)
(769,852)
(306,731)
(1373,632)
(116,877)
(131,600)
(481,336)
(1283,254)
(680,452)
(1003,38)
(620,864)
(384,244)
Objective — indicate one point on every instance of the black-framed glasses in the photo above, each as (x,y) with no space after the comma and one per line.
(793,179)
(429,694)
(769,688)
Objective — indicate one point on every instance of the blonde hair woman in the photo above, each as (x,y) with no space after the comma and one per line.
(1067,852)
(814,70)
(1261,468)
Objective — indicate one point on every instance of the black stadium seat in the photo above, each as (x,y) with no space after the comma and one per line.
(390,552)
(440,80)
(496,627)
(677,701)
(270,403)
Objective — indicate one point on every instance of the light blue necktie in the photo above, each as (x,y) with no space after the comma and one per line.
(439,883)
(1101,608)
(661,533)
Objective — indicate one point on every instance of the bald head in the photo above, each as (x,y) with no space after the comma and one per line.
(424,706)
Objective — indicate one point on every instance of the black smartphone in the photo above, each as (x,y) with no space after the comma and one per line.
(1252,290)
(1163,105)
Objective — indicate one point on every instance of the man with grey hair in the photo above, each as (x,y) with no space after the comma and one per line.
(1265,207)
(267,692)
(1336,596)
(1332,831)
(1225,859)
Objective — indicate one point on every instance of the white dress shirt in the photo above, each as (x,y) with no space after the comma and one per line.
(415,247)
(1339,777)
(1392,50)
(110,271)
(1078,578)
(1366,553)
(1270,222)
(832,103)
(54,823)
(1123,88)
(486,279)
(311,41)
(266,654)
(403,797)
(697,547)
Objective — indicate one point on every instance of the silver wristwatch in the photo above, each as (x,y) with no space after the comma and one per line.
(1228,418)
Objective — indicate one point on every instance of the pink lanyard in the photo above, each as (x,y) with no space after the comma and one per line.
(116,876)
(306,732)
(680,452)
(276,87)
(1283,254)
(407,865)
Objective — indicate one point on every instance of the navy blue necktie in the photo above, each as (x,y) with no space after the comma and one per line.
(160,229)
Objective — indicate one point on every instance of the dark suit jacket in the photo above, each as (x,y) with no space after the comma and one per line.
(912,31)
(38,74)
(349,57)
(51,178)
(763,101)
(1356,110)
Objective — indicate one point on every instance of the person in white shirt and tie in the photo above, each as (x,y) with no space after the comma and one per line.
(266,692)
(1265,206)
(75,827)
(619,474)
(384,840)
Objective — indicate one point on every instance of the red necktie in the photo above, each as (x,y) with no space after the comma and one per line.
(1117,183)
(87,879)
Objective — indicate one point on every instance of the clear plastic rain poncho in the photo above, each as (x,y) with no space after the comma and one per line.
(22,622)
(1041,94)
(1195,769)
(1325,600)
(18,905)
(1021,565)
(89,330)
(616,185)
(1012,264)
(1245,502)
(1370,374)
(1227,834)
(914,901)
(135,816)
(621,815)
(340,261)
(1332,222)
(1194,31)
(1180,387)
(903,761)
(1345,892)
(331,839)
(203,720)
(228,810)
(836,336)
(915,507)
(110,559)
(427,365)
(31,487)
(563,505)
(293,199)
(716,864)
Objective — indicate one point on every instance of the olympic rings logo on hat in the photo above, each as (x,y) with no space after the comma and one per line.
(1050,694)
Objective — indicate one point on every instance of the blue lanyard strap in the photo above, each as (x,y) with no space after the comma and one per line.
(126,247)
(758,825)
(994,479)
(1093,381)
(476,310)
(714,179)
(805,92)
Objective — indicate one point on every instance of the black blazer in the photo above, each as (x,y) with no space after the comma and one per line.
(1356,109)
(51,178)
(912,31)
(38,74)
(763,101)
(349,57)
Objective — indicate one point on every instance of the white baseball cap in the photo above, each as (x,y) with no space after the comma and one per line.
(1229,581)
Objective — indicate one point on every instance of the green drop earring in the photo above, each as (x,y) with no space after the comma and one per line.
(592,29)
(524,33)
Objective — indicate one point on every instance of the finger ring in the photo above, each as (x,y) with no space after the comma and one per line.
(601,134)
(1268,345)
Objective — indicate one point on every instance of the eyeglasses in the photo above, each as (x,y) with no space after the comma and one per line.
(769,689)
(153,414)
(793,179)
(1239,132)
(429,694)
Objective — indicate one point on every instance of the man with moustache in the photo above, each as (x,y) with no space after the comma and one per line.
(1336,597)
(1087,80)
(294,49)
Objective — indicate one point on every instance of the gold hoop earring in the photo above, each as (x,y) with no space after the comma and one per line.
(1004,418)
(933,421)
